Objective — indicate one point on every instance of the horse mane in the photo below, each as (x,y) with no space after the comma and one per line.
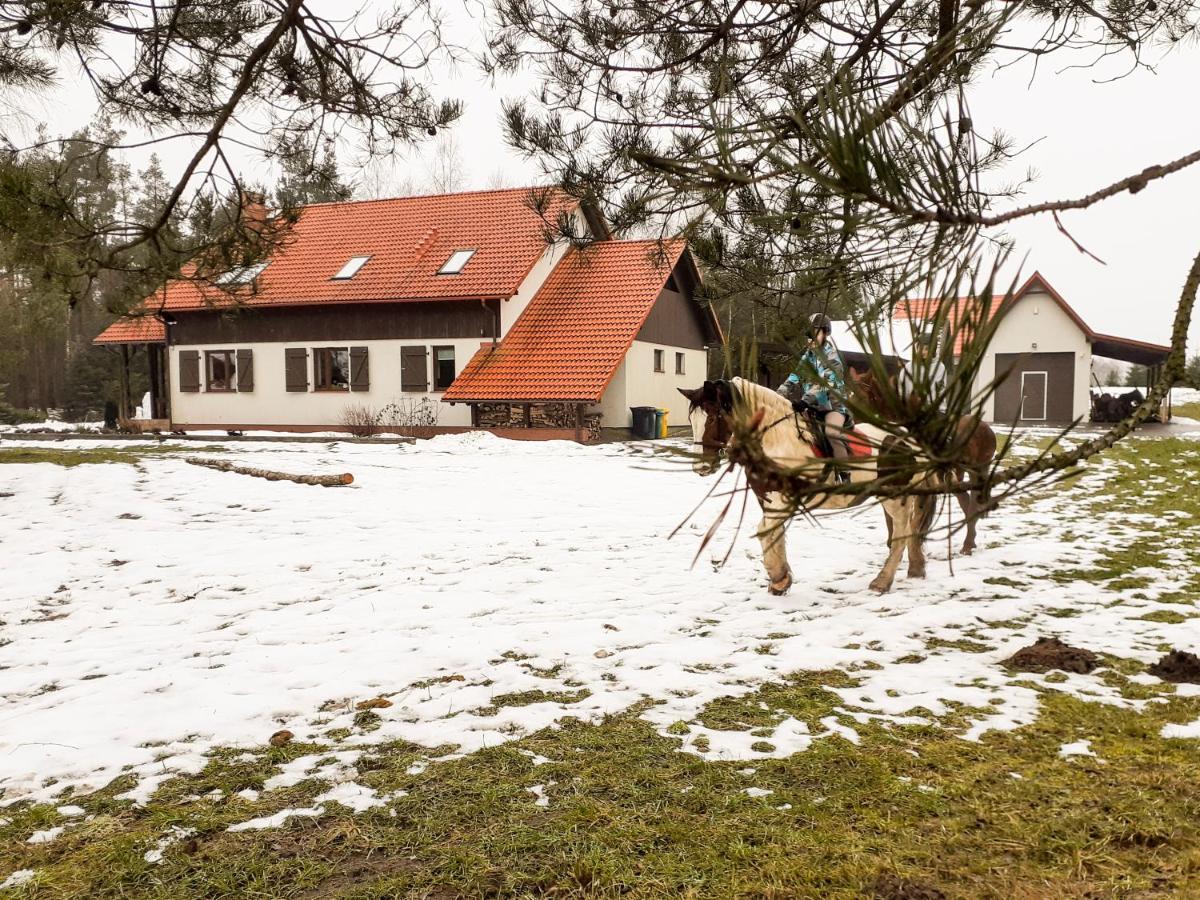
(756,395)
(785,436)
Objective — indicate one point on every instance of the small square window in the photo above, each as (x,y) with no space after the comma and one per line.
(679,364)
(332,366)
(350,269)
(659,365)
(443,368)
(219,370)
(456,262)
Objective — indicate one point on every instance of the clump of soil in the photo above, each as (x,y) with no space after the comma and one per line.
(889,887)
(1177,666)
(1051,653)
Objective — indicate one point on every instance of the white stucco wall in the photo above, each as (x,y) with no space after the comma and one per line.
(614,405)
(271,404)
(1037,324)
(642,386)
(511,309)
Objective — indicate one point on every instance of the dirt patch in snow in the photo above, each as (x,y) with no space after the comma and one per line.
(1177,666)
(1051,653)
(889,887)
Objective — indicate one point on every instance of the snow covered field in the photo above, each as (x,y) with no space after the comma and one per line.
(151,612)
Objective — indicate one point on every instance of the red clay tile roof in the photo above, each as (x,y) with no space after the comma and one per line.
(569,341)
(408,240)
(922,309)
(133,330)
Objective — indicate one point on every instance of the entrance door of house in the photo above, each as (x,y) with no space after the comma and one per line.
(1033,396)
(1036,387)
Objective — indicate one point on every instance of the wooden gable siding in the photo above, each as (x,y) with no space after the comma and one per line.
(341,322)
(676,321)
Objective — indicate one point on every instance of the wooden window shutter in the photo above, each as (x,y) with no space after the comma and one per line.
(245,370)
(189,370)
(296,368)
(360,371)
(414,370)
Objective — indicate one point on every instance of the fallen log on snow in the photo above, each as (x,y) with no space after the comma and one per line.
(322,480)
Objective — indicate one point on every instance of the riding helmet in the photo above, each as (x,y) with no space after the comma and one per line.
(819,322)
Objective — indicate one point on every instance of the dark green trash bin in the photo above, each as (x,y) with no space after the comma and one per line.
(643,421)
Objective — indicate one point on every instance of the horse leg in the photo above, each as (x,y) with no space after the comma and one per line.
(772,534)
(920,511)
(970,508)
(896,510)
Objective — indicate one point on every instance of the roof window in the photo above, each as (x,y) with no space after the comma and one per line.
(350,269)
(455,263)
(240,274)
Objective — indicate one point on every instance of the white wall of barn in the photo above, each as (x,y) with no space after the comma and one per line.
(271,404)
(1037,324)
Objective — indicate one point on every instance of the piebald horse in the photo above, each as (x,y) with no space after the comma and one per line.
(787,440)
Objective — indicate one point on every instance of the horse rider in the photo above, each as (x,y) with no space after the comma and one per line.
(822,385)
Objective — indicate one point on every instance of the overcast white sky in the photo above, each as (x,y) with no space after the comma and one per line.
(1087,134)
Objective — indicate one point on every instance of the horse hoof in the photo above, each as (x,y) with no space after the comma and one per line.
(916,573)
(881,587)
(967,550)
(779,588)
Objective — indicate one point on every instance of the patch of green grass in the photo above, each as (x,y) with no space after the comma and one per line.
(1166,616)
(629,815)
(68,458)
(1150,466)
(963,644)
(525,698)
(1187,410)
(1005,581)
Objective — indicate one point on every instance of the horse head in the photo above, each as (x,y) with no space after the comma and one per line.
(709,409)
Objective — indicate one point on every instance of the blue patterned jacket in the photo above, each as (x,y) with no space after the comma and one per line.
(822,378)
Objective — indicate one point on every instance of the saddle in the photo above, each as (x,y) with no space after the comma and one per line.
(855,440)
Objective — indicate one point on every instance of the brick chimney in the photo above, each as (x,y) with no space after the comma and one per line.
(253,211)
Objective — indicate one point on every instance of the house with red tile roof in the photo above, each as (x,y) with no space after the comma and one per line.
(1037,368)
(431,314)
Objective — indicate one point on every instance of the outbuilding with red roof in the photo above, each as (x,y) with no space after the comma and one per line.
(1037,366)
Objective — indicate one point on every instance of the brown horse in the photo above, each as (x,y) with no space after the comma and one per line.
(788,441)
(973,438)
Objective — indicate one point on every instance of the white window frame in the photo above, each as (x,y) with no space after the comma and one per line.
(659,368)
(463,256)
(680,363)
(241,274)
(1045,376)
(352,267)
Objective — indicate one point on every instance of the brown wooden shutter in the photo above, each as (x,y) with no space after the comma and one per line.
(245,370)
(189,370)
(296,368)
(414,370)
(360,372)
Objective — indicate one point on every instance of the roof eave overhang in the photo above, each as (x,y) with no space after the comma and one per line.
(520,399)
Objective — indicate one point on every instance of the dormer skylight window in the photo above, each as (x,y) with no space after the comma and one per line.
(241,274)
(455,263)
(350,269)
